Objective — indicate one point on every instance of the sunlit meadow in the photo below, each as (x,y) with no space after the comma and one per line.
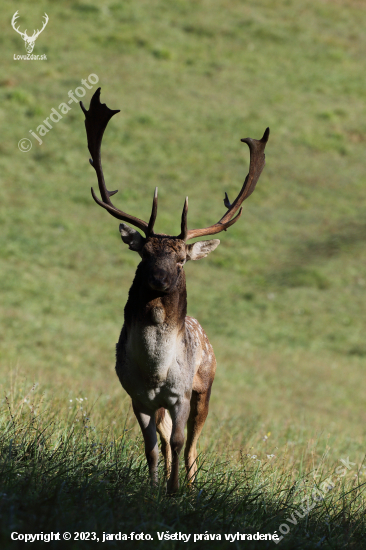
(282,298)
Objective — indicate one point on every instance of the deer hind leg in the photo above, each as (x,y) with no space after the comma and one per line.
(164,428)
(179,413)
(196,420)
(146,419)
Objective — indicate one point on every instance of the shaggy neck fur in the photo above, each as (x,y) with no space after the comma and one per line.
(155,327)
(143,302)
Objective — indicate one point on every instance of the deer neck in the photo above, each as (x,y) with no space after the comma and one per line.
(147,307)
(154,327)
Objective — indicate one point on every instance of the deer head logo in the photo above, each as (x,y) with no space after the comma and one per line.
(29,40)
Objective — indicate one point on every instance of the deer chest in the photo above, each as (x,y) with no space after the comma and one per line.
(152,365)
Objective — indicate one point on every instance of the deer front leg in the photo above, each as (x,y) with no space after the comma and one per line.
(146,419)
(164,428)
(196,420)
(179,414)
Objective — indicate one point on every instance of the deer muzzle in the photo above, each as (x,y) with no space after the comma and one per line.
(159,280)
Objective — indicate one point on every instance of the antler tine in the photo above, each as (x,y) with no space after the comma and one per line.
(96,120)
(183,226)
(154,211)
(257,162)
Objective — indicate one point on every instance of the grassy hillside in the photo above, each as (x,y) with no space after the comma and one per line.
(282,298)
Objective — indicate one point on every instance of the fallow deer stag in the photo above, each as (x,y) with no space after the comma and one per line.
(164,359)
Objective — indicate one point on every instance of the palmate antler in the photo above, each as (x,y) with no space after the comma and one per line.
(257,162)
(96,120)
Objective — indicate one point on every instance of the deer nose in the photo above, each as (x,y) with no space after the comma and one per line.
(159,280)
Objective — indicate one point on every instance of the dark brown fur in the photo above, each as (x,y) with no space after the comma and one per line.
(158,296)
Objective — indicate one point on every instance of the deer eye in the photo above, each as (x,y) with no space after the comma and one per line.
(181,262)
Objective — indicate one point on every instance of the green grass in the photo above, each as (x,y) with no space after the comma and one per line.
(282,298)
(74,476)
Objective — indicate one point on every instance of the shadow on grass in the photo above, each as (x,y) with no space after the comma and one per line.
(335,241)
(59,476)
(299,269)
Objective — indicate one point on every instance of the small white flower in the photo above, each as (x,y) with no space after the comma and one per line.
(271,456)
(70,400)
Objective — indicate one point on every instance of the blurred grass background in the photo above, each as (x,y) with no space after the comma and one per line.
(283,297)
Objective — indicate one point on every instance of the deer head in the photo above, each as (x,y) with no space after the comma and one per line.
(165,255)
(29,40)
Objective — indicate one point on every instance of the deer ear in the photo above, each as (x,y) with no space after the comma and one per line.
(131,237)
(201,249)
